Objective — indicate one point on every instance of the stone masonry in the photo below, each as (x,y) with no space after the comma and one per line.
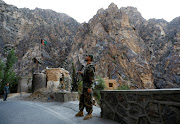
(141,106)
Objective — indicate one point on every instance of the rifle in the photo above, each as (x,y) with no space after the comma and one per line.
(76,80)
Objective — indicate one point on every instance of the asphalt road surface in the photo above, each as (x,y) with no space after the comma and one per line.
(15,112)
(27,112)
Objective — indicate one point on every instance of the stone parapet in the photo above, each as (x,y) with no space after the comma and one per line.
(152,106)
(66,96)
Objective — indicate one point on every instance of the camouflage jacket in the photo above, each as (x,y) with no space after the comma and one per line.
(88,76)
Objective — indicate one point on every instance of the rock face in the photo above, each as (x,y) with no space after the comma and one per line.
(138,52)
(126,47)
(23,30)
(119,51)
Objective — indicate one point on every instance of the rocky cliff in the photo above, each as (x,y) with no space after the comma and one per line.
(138,52)
(126,47)
(23,30)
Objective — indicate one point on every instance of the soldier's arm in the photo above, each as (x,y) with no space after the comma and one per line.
(80,72)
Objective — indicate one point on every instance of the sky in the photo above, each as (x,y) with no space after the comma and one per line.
(84,10)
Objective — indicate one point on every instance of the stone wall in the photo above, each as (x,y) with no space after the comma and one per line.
(157,106)
(66,96)
(54,74)
(25,84)
(58,78)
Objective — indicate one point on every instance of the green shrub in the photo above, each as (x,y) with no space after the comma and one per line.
(123,87)
(2,66)
(98,87)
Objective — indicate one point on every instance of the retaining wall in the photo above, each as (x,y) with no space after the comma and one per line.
(155,106)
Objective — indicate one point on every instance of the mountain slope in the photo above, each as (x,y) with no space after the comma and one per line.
(126,47)
(23,30)
(129,48)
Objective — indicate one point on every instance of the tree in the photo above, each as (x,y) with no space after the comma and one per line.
(7,74)
(74,79)
(2,65)
(11,60)
(99,85)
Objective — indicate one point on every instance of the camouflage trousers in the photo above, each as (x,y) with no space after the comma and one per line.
(86,101)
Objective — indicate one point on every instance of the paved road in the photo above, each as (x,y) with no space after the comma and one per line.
(26,112)
(13,112)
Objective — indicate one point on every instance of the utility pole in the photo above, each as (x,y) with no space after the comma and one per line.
(39,57)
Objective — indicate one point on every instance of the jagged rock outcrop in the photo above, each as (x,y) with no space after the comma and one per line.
(126,47)
(168,68)
(119,52)
(129,48)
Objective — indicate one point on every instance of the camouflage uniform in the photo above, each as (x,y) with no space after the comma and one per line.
(86,98)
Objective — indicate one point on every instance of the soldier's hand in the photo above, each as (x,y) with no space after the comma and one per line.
(80,72)
(89,90)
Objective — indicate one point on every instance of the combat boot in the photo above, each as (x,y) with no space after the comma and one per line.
(80,114)
(88,116)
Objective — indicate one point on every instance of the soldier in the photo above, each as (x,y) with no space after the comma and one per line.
(6,91)
(86,100)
